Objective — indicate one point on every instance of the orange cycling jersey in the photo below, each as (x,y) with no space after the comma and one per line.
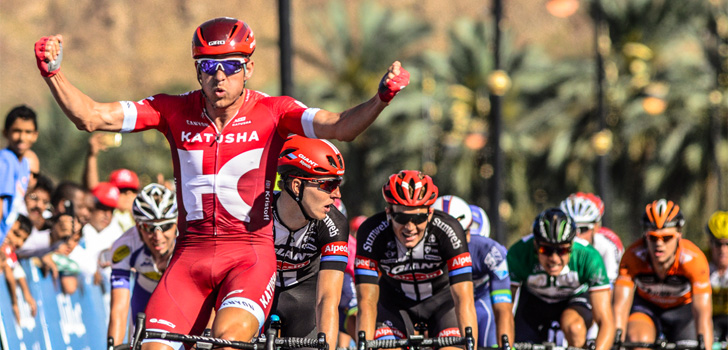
(689,274)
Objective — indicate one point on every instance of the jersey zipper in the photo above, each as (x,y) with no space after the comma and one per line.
(414,276)
(218,136)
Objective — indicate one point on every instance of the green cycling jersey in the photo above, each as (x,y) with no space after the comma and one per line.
(584,272)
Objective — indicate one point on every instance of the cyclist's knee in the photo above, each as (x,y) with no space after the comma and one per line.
(156,346)
(641,328)
(234,324)
(575,329)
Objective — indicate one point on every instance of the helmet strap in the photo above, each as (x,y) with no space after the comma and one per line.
(298,198)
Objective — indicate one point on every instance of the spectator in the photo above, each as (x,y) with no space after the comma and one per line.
(21,132)
(14,273)
(99,234)
(34,166)
(74,196)
(124,179)
(64,236)
(38,205)
(128,184)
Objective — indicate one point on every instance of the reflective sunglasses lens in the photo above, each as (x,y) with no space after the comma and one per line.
(330,185)
(404,219)
(550,250)
(166,227)
(583,229)
(654,238)
(151,227)
(229,67)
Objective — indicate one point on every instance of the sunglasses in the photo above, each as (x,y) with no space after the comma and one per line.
(665,237)
(404,219)
(34,175)
(585,228)
(229,66)
(549,250)
(718,244)
(153,226)
(326,185)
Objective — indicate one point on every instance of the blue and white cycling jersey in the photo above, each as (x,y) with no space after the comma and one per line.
(491,282)
(131,255)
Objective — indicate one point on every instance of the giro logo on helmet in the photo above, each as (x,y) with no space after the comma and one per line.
(215,42)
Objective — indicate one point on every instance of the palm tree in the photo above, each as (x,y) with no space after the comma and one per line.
(359,48)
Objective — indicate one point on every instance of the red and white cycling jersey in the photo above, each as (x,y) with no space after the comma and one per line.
(225,178)
(610,247)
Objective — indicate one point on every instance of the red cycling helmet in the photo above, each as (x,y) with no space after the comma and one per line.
(410,188)
(222,35)
(310,157)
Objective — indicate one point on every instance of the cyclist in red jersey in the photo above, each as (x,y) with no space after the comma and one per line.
(224,140)
(663,288)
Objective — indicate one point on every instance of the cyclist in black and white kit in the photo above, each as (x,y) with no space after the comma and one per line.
(424,262)
(310,237)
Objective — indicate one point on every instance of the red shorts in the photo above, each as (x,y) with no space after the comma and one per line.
(212,272)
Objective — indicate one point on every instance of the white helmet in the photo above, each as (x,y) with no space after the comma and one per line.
(154,202)
(456,207)
(481,223)
(584,208)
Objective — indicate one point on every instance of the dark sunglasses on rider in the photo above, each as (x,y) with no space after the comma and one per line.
(229,66)
(718,244)
(653,236)
(153,226)
(404,219)
(326,185)
(549,250)
(585,228)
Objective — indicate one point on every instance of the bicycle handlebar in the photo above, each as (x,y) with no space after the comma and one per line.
(186,338)
(417,341)
(399,343)
(529,346)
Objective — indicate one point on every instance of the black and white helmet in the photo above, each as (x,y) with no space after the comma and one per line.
(553,226)
(154,202)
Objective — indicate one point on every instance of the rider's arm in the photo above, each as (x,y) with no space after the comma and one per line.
(602,311)
(623,297)
(119,312)
(328,293)
(462,294)
(504,321)
(349,124)
(500,293)
(702,313)
(83,111)
(367,295)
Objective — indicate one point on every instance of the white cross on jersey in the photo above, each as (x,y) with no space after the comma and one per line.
(224,184)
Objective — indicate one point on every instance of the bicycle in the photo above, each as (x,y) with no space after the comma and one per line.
(659,344)
(267,341)
(416,342)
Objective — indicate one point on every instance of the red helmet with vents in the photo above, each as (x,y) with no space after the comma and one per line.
(223,35)
(410,188)
(310,157)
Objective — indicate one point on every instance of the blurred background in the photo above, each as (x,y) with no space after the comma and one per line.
(512,106)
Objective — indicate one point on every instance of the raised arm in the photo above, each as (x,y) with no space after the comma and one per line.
(83,111)
(368,297)
(462,294)
(347,125)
